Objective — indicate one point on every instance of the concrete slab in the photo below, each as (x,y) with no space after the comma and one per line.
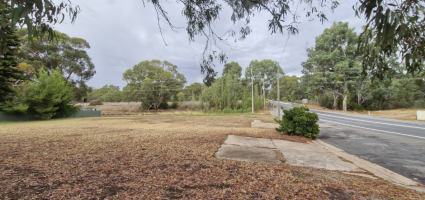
(249,141)
(246,153)
(322,160)
(259,124)
(284,145)
(316,154)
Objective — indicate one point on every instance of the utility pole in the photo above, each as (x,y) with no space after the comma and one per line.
(264,94)
(278,94)
(252,91)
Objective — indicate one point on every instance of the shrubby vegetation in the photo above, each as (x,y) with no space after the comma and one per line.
(25,88)
(153,83)
(47,96)
(95,102)
(174,105)
(298,121)
(332,75)
(107,93)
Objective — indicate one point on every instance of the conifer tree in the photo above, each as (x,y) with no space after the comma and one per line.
(8,71)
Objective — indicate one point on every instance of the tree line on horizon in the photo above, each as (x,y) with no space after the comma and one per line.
(45,77)
(332,75)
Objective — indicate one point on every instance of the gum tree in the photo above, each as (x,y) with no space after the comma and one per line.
(332,63)
(152,82)
(68,54)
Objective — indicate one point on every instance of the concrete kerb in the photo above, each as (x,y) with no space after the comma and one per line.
(377,170)
(373,168)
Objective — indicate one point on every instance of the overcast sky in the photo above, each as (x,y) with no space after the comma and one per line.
(123,33)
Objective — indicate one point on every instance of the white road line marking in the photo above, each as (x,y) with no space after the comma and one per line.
(372,122)
(373,129)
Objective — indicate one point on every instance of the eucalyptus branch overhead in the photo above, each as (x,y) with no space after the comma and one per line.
(202,14)
(392,26)
(37,15)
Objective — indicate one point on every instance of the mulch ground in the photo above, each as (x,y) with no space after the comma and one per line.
(165,157)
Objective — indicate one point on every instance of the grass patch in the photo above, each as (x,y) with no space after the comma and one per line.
(411,111)
(409,118)
(160,157)
(345,160)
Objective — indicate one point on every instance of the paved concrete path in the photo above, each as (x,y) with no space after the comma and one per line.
(297,154)
(316,154)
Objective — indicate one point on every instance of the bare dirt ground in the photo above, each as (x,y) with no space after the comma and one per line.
(167,157)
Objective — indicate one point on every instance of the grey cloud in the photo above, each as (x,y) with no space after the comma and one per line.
(123,33)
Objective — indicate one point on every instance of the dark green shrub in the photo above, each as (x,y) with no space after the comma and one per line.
(144,105)
(298,121)
(95,102)
(326,100)
(354,106)
(227,110)
(163,105)
(174,105)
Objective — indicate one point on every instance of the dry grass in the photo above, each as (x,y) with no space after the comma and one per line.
(132,108)
(373,113)
(164,157)
(410,118)
(345,160)
(117,108)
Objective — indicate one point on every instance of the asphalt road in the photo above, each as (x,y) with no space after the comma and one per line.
(390,126)
(396,145)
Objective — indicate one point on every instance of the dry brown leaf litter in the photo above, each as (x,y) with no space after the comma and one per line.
(160,157)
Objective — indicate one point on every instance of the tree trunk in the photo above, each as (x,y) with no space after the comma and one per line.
(360,99)
(344,103)
(336,96)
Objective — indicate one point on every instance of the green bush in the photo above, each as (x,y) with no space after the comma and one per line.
(144,105)
(174,105)
(326,100)
(354,106)
(49,96)
(298,121)
(227,110)
(95,102)
(181,97)
(163,105)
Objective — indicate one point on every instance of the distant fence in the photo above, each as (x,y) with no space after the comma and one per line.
(31,117)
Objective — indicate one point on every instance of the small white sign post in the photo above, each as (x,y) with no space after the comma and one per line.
(420,115)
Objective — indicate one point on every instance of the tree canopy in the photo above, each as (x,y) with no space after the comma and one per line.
(107,93)
(68,54)
(332,63)
(233,68)
(152,82)
(38,15)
